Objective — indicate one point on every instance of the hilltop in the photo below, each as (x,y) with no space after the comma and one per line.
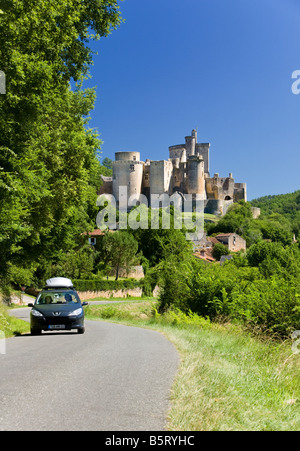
(281,206)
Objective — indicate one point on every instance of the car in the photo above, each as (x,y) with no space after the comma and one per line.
(57,307)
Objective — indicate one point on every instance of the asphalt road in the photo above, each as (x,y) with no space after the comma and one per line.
(112,378)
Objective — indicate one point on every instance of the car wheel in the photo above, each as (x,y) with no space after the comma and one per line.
(36,332)
(81,330)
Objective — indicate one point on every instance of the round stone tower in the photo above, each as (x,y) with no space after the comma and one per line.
(195,175)
(127,172)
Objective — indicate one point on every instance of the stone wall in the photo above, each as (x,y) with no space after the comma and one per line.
(234,242)
(134,292)
(160,176)
(135,272)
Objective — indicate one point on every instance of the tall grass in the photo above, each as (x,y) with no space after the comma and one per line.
(228,380)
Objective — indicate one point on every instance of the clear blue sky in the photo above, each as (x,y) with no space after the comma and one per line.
(224,66)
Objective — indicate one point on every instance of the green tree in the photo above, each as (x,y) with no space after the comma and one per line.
(121,250)
(174,275)
(159,243)
(107,163)
(48,156)
(219,250)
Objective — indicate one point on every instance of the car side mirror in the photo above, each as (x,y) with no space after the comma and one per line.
(84,303)
(30,304)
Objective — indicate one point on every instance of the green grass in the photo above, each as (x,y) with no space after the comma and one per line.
(11,326)
(227,380)
(207,216)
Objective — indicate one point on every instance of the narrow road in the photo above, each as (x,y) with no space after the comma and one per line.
(112,378)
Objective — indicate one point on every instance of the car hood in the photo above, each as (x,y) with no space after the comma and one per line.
(48,309)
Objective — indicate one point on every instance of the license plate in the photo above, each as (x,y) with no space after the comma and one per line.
(57,327)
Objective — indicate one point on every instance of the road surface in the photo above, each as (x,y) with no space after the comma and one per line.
(112,378)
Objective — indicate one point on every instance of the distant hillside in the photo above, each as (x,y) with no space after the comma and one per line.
(286,205)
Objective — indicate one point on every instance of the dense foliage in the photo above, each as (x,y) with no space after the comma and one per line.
(239,219)
(260,288)
(49,167)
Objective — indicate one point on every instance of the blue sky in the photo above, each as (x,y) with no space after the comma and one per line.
(223,66)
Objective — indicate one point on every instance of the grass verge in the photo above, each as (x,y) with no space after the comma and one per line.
(227,380)
(10,325)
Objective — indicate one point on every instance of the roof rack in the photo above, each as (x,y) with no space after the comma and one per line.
(59,282)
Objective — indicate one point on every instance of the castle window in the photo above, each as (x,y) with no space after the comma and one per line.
(134,158)
(132,167)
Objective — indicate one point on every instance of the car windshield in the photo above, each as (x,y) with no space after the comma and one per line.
(57,297)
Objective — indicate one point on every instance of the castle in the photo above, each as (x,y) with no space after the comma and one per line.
(186,172)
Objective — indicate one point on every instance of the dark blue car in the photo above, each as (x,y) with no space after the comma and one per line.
(57,307)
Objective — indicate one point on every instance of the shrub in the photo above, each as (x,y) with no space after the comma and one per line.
(219,250)
(174,284)
(244,294)
(178,318)
(273,304)
(211,287)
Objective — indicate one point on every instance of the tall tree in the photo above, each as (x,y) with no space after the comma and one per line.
(47,154)
(121,250)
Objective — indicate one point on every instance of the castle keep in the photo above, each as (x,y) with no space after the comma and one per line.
(186,172)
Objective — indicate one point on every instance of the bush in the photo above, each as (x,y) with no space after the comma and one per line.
(244,294)
(174,284)
(273,304)
(219,250)
(211,287)
(176,317)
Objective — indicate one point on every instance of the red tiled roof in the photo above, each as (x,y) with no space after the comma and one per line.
(96,232)
(212,239)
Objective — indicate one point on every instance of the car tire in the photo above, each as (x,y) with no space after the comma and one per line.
(36,332)
(81,330)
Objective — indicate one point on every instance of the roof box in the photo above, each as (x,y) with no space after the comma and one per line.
(59,282)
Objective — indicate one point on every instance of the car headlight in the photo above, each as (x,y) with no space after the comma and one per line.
(37,313)
(76,312)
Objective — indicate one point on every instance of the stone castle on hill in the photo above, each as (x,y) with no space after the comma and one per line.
(186,172)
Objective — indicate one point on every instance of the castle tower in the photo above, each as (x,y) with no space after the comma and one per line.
(190,144)
(127,172)
(203,149)
(195,135)
(195,183)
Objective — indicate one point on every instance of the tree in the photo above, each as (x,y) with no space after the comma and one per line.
(120,249)
(48,156)
(219,250)
(265,250)
(107,163)
(159,243)
(173,279)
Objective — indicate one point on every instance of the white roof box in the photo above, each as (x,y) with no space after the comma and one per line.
(59,282)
